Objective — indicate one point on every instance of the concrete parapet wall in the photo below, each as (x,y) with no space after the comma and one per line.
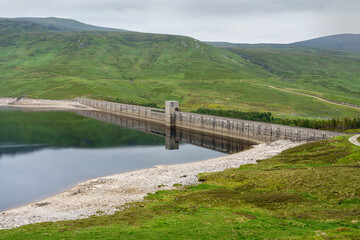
(147,113)
(245,129)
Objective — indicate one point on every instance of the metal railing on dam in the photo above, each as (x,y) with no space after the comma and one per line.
(229,127)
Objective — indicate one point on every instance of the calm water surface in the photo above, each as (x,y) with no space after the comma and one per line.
(45,153)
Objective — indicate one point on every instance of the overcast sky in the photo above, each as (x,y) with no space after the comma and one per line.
(241,21)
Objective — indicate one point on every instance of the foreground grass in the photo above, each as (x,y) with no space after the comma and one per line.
(308,192)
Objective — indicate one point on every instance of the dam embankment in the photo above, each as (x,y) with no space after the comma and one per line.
(235,128)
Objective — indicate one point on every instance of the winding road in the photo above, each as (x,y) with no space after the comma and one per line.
(354,140)
(318,98)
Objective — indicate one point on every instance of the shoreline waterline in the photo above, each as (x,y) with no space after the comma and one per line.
(108,194)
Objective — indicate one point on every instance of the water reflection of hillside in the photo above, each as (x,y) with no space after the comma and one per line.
(13,149)
(30,131)
(174,135)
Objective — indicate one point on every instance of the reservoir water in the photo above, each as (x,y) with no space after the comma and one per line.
(45,153)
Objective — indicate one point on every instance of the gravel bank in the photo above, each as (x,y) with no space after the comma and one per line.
(108,193)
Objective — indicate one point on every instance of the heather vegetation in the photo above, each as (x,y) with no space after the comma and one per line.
(253,116)
(331,124)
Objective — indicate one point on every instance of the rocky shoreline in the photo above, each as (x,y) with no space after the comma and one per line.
(108,194)
(43,104)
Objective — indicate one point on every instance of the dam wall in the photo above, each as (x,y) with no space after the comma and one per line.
(146,113)
(260,131)
(172,135)
(229,127)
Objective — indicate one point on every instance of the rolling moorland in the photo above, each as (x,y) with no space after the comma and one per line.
(330,72)
(58,58)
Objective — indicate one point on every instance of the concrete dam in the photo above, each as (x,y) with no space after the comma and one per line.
(172,118)
(172,135)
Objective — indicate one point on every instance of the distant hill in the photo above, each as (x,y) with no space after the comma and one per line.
(243,45)
(343,42)
(59,58)
(347,42)
(223,44)
(17,25)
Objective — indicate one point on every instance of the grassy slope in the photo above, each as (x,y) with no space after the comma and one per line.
(308,192)
(320,72)
(144,68)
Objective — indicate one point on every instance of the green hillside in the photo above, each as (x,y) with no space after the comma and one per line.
(340,42)
(321,67)
(324,73)
(151,68)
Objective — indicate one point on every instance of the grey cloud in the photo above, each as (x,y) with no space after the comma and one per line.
(211,7)
(218,20)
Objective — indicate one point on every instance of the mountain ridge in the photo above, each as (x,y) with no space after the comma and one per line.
(53,24)
(339,42)
(346,42)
